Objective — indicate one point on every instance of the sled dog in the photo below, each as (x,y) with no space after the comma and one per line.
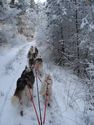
(46,88)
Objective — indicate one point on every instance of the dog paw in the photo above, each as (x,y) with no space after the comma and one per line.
(49,105)
(21,113)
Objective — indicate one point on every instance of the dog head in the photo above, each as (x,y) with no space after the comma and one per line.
(33,52)
(38,64)
(48,79)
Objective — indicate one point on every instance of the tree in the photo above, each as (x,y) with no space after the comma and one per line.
(65,22)
(70,37)
(12,2)
(1,3)
(32,4)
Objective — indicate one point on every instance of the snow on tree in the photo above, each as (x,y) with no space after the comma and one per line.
(66,22)
(12,2)
(70,30)
(32,4)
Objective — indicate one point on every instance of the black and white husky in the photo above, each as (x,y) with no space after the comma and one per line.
(34,60)
(31,56)
(24,85)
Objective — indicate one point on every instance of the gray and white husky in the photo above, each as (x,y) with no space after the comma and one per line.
(46,88)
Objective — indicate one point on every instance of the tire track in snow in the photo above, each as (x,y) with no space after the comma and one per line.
(9,66)
(53,113)
(55,117)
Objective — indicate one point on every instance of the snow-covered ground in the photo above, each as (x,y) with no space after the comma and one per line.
(67,106)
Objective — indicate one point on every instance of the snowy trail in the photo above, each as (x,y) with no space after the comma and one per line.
(10,72)
(12,64)
(11,69)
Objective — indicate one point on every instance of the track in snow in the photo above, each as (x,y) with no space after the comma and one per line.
(13,69)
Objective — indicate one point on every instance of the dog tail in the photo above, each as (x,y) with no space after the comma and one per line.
(15,100)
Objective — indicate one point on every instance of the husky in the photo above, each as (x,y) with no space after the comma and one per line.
(38,63)
(24,84)
(46,88)
(32,54)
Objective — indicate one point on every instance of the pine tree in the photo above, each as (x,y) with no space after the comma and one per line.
(12,2)
(32,4)
(1,3)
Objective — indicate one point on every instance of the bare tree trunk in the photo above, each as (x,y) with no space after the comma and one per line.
(1,3)
(12,2)
(32,3)
(77,38)
(88,1)
(63,43)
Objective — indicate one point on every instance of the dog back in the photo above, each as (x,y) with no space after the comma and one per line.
(27,79)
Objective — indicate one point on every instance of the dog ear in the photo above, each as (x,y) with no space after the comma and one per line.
(36,50)
(39,59)
(25,67)
(31,47)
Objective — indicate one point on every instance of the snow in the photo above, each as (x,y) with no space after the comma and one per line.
(84,22)
(91,27)
(64,11)
(68,104)
(42,1)
(54,17)
(67,92)
(12,65)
